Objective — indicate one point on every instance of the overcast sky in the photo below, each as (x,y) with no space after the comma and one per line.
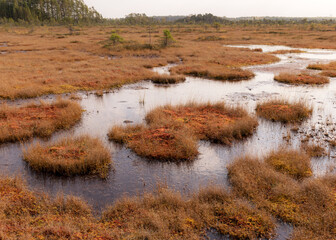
(228,8)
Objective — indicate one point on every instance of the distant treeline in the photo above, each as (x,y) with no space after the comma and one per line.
(210,19)
(76,11)
(47,11)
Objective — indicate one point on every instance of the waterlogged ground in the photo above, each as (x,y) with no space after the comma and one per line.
(132,175)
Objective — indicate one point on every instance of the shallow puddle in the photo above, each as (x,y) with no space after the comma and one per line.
(132,175)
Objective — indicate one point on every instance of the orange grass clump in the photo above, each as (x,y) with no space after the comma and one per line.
(283,111)
(41,120)
(170,143)
(70,156)
(214,122)
(292,162)
(299,79)
(309,205)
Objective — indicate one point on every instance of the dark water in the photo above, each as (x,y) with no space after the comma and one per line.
(132,175)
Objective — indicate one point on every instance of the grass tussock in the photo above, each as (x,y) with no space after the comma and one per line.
(292,162)
(164,214)
(214,122)
(309,205)
(70,156)
(283,111)
(320,66)
(328,70)
(215,72)
(329,73)
(37,120)
(162,142)
(167,79)
(314,150)
(287,51)
(301,79)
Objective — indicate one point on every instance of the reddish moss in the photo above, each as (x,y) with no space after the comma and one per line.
(20,123)
(169,143)
(214,122)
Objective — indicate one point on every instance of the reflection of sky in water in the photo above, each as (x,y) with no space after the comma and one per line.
(132,174)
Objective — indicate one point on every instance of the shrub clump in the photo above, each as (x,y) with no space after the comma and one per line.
(292,162)
(283,111)
(215,72)
(301,79)
(37,120)
(70,156)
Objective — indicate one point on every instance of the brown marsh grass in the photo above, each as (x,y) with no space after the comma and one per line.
(292,162)
(309,205)
(216,122)
(162,142)
(70,156)
(164,214)
(283,111)
(167,79)
(301,79)
(37,120)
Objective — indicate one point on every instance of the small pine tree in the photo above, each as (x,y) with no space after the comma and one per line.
(167,37)
(115,38)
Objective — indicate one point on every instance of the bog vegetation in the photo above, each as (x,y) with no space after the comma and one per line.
(76,56)
(173,131)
